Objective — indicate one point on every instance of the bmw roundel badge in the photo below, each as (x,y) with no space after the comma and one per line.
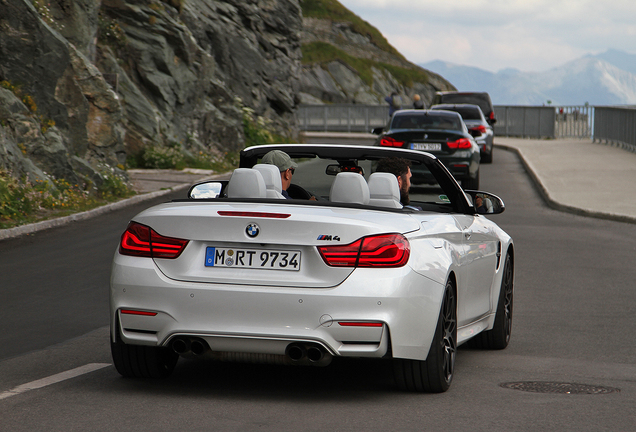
(252,230)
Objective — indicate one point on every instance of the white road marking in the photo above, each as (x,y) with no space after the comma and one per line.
(53,379)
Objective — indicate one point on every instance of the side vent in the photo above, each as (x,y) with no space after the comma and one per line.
(498,254)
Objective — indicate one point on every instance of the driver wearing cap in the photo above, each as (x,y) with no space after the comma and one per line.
(285,165)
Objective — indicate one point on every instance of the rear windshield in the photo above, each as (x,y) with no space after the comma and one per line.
(440,122)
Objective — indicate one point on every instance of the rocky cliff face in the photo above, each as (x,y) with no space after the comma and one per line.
(85,83)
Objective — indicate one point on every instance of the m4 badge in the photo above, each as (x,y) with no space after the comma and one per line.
(324,237)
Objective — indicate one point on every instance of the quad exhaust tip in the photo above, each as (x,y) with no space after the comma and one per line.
(297,353)
(312,354)
(194,346)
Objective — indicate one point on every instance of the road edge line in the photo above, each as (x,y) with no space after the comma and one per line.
(53,379)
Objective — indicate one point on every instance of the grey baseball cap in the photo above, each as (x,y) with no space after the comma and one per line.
(280,159)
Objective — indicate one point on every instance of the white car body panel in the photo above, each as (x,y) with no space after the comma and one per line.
(295,302)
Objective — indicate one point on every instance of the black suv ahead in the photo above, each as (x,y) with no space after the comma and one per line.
(474,98)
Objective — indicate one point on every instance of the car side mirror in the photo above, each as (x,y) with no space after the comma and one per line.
(205,190)
(485,202)
(377,131)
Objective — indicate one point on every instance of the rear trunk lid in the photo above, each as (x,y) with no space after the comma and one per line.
(264,244)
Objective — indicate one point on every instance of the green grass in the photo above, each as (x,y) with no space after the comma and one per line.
(23,202)
(334,11)
(322,53)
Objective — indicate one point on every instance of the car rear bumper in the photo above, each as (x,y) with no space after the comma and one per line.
(362,317)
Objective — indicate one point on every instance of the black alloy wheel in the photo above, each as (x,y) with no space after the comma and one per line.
(436,373)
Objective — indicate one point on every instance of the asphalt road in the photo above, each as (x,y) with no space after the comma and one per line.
(54,283)
(573,324)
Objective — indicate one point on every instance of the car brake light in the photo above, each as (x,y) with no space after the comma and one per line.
(385,250)
(390,142)
(462,143)
(142,241)
(253,214)
(481,129)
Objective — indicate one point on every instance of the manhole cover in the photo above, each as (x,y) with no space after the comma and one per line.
(558,387)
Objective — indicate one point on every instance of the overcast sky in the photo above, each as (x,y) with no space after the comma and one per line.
(529,35)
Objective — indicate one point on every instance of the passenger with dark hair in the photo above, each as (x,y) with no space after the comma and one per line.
(401,168)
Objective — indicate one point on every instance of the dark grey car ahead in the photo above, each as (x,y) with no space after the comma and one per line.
(441,133)
(477,126)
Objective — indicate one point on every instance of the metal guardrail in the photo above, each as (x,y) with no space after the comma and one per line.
(525,121)
(575,121)
(544,121)
(616,126)
(342,117)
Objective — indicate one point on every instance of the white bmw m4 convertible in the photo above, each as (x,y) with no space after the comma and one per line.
(238,272)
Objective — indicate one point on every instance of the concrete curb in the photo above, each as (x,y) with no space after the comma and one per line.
(545,194)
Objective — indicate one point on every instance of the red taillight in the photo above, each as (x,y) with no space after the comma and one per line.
(386,250)
(462,143)
(481,129)
(390,142)
(142,241)
(491,116)
(341,255)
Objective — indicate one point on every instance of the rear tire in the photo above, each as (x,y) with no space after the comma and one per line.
(499,337)
(487,157)
(139,361)
(436,373)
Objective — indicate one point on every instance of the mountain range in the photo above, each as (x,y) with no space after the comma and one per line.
(603,79)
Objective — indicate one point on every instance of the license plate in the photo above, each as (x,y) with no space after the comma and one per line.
(252,258)
(426,146)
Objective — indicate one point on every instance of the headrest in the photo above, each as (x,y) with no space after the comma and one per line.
(246,183)
(271,176)
(384,190)
(349,187)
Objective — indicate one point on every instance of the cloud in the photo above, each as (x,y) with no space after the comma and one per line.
(530,35)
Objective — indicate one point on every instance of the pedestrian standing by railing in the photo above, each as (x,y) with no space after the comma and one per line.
(395,103)
(417,102)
